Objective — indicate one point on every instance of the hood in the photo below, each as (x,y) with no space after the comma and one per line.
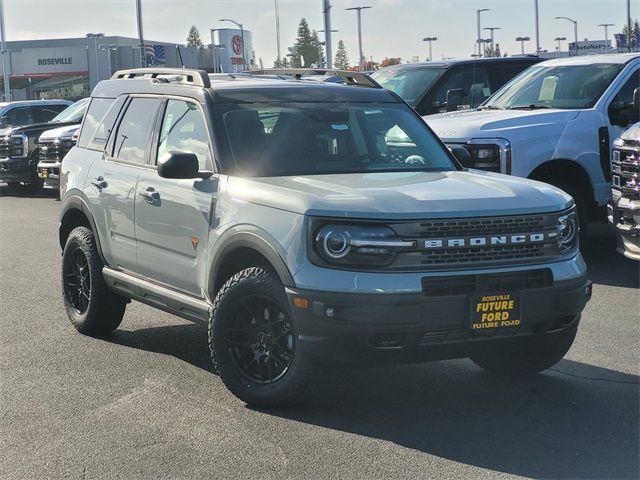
(462,126)
(401,195)
(33,127)
(60,132)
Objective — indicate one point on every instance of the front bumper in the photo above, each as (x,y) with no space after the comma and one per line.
(16,170)
(50,173)
(436,323)
(624,215)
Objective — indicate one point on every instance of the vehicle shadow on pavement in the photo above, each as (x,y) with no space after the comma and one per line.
(605,265)
(25,192)
(575,421)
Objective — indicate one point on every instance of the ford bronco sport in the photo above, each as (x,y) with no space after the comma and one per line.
(309,222)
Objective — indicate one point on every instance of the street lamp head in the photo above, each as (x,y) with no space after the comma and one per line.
(483,10)
(357,8)
(522,39)
(606,25)
(492,28)
(560,39)
(565,18)
(430,39)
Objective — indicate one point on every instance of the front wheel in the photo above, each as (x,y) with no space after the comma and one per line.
(92,308)
(526,358)
(253,343)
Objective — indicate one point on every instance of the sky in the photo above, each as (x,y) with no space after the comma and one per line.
(391,28)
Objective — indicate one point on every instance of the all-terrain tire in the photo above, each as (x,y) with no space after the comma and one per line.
(91,306)
(526,358)
(287,389)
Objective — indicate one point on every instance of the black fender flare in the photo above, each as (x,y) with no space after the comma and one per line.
(76,201)
(254,241)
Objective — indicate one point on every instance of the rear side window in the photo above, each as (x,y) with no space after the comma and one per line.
(131,142)
(92,120)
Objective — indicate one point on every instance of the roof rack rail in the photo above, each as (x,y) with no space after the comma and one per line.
(198,78)
(356,79)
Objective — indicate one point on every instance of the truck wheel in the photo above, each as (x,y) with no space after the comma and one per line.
(518,359)
(92,308)
(252,340)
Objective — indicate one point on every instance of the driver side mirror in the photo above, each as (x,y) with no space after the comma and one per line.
(454,98)
(179,165)
(636,105)
(4,121)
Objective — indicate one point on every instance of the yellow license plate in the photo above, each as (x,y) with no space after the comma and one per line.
(44,173)
(492,312)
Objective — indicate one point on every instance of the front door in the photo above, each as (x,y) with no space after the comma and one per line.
(173,217)
(113,180)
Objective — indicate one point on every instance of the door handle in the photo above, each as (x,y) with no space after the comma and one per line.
(150,195)
(99,183)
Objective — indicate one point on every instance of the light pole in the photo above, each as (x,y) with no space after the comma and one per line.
(559,39)
(3,51)
(143,57)
(108,49)
(239,25)
(95,37)
(537,22)
(493,50)
(359,16)
(277,33)
(606,35)
(479,38)
(430,40)
(522,40)
(575,30)
(326,39)
(326,11)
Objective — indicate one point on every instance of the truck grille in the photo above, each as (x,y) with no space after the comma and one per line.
(51,152)
(469,255)
(4,148)
(625,167)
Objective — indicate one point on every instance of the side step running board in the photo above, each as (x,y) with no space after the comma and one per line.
(156,295)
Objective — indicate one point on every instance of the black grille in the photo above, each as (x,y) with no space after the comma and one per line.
(505,281)
(51,152)
(4,148)
(480,254)
(626,171)
(458,256)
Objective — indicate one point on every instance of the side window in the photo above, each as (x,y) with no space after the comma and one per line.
(131,143)
(621,108)
(473,82)
(92,122)
(185,130)
(19,116)
(48,112)
(501,74)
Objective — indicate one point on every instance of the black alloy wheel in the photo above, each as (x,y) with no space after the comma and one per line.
(260,339)
(77,281)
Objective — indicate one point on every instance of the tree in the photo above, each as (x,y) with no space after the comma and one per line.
(193,37)
(496,53)
(306,51)
(341,61)
(387,62)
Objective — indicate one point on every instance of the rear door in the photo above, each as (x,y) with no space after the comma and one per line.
(173,216)
(113,180)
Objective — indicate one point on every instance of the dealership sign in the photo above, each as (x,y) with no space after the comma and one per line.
(50,60)
(590,46)
(55,61)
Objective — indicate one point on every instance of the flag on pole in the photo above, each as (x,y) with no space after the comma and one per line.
(156,54)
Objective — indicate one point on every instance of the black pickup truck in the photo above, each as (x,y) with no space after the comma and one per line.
(19,151)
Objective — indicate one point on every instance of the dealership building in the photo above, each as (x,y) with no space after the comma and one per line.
(71,67)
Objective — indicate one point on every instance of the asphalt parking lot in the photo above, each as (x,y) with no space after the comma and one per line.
(144,403)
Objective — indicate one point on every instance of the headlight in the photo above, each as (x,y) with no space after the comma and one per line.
(353,245)
(568,230)
(20,145)
(487,154)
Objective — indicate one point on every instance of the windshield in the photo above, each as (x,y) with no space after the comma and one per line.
(410,83)
(569,86)
(73,114)
(278,139)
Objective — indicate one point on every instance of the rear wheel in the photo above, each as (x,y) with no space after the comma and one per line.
(91,306)
(252,339)
(526,358)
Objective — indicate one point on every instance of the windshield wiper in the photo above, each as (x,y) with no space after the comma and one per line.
(533,106)
(490,107)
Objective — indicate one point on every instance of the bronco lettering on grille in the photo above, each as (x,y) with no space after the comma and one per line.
(434,243)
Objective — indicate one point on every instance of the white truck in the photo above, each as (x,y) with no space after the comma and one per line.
(555,122)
